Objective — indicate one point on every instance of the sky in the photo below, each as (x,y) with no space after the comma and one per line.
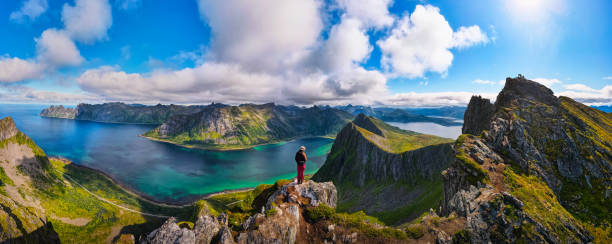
(403,53)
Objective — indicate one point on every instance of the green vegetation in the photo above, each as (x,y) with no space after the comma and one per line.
(415,231)
(73,202)
(4,179)
(542,205)
(358,221)
(396,140)
(468,162)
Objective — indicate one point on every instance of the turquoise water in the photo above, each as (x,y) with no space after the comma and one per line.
(162,171)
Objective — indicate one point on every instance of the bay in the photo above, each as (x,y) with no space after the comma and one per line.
(161,171)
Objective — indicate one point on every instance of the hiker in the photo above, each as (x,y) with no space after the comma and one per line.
(300,159)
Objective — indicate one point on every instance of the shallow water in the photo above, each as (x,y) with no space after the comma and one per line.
(430,128)
(159,170)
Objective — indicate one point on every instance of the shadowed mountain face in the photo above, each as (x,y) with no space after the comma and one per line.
(120,112)
(532,167)
(444,116)
(246,125)
(387,172)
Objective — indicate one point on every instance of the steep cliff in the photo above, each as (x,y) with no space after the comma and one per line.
(247,125)
(120,112)
(59,112)
(387,172)
(537,169)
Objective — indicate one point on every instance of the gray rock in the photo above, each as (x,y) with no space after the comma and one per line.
(170,232)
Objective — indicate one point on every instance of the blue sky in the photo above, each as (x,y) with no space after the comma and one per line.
(378,52)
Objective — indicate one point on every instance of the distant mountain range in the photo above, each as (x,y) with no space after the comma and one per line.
(447,116)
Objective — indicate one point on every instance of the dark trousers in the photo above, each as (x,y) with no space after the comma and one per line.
(300,171)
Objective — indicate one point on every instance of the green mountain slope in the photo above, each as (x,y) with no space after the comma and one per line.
(387,172)
(45,200)
(534,168)
(231,127)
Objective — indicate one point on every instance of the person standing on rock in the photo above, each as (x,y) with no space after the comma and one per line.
(300,159)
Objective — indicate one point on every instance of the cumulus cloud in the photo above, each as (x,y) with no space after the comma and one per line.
(469,36)
(30,9)
(489,82)
(56,49)
(16,69)
(421,42)
(547,82)
(346,46)
(587,95)
(579,87)
(88,20)
(267,35)
(373,13)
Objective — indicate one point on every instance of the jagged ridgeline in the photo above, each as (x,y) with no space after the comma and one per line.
(43,200)
(248,124)
(119,112)
(532,168)
(387,172)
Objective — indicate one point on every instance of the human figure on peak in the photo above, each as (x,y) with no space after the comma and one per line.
(300,159)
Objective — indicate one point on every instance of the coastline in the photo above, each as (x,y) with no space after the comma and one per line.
(237,148)
(146,197)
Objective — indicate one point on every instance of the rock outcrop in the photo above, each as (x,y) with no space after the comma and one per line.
(59,112)
(477,115)
(537,169)
(375,176)
(283,222)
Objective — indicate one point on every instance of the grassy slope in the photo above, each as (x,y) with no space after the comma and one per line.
(588,208)
(61,198)
(395,141)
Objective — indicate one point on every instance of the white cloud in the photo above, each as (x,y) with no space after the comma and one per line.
(588,95)
(579,87)
(431,99)
(607,78)
(56,49)
(262,35)
(469,36)
(24,94)
(88,20)
(421,42)
(489,82)
(373,13)
(547,82)
(16,69)
(346,46)
(30,9)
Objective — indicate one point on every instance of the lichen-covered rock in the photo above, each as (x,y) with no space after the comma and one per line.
(206,228)
(8,128)
(526,174)
(170,232)
(309,193)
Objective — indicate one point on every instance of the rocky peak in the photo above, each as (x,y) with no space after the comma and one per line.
(477,115)
(366,122)
(286,225)
(8,128)
(520,87)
